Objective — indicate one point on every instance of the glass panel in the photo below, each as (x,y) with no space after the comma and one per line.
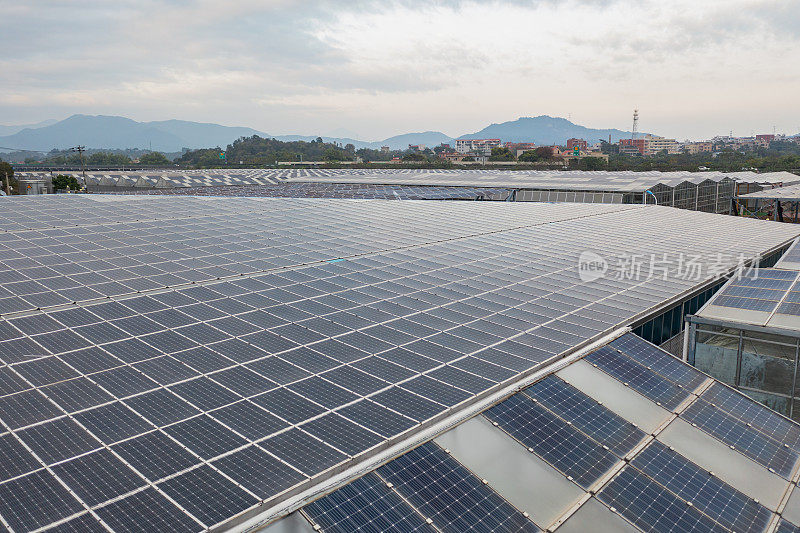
(767,366)
(716,356)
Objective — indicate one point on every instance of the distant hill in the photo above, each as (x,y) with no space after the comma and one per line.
(398,142)
(11,130)
(98,131)
(113,132)
(544,130)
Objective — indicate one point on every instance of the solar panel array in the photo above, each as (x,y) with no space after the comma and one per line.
(789,193)
(597,469)
(629,181)
(178,362)
(767,297)
(366,191)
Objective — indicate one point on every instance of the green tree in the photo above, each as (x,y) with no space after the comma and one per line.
(500,153)
(154,158)
(7,174)
(529,156)
(332,154)
(63,181)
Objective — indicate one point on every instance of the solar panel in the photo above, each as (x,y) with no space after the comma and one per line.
(784,526)
(756,415)
(651,506)
(646,354)
(447,493)
(563,446)
(638,377)
(706,492)
(369,316)
(742,437)
(586,414)
(366,504)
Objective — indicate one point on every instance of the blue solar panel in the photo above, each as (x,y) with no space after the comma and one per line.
(785,526)
(652,507)
(366,504)
(706,492)
(753,413)
(747,440)
(555,441)
(449,494)
(638,377)
(750,304)
(586,414)
(658,360)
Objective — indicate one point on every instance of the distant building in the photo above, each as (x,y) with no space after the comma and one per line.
(520,148)
(417,147)
(632,146)
(580,143)
(477,145)
(385,149)
(698,147)
(648,145)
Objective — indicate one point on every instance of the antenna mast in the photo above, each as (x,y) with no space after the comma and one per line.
(635,129)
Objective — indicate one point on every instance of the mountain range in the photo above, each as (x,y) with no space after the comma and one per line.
(112,132)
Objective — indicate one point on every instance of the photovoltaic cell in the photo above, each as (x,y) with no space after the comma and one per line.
(155,455)
(98,477)
(706,492)
(259,472)
(638,377)
(413,286)
(366,504)
(147,510)
(449,494)
(785,526)
(586,414)
(758,416)
(35,500)
(207,495)
(551,438)
(733,432)
(648,355)
(652,507)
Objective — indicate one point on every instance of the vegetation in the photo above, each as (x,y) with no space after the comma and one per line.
(588,163)
(500,153)
(63,182)
(7,174)
(154,158)
(258,151)
(107,159)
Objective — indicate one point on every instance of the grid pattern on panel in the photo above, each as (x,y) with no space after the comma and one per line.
(757,293)
(742,437)
(320,299)
(638,377)
(653,358)
(449,494)
(365,504)
(652,507)
(586,414)
(706,492)
(784,526)
(758,416)
(550,437)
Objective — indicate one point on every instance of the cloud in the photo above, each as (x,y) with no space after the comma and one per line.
(693,68)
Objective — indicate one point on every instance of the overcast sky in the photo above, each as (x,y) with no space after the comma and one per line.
(694,68)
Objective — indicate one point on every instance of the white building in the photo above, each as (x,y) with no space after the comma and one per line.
(476,145)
